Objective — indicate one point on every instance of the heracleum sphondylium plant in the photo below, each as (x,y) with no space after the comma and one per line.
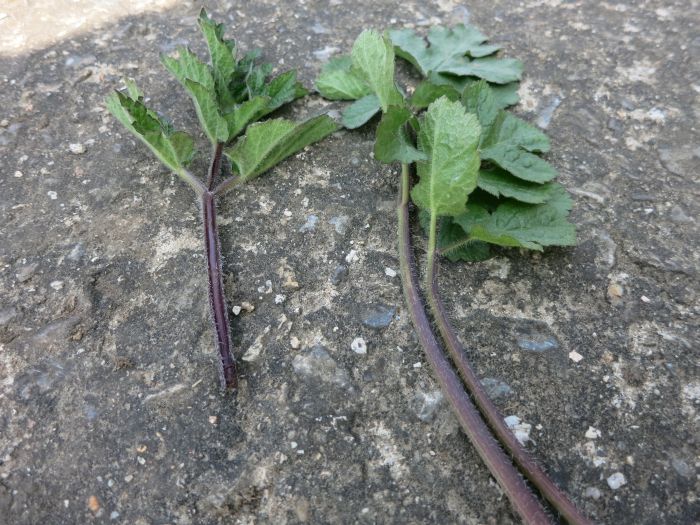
(481,182)
(230,94)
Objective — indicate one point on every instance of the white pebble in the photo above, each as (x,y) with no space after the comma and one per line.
(236,310)
(592,433)
(114,515)
(358,345)
(52,195)
(141,460)
(294,342)
(417,365)
(76,148)
(351,257)
(390,272)
(575,356)
(592,492)
(521,430)
(279,299)
(19,174)
(57,285)
(617,480)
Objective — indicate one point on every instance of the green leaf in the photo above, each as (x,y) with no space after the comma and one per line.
(504,95)
(450,137)
(223,56)
(453,242)
(242,114)
(426,93)
(373,61)
(360,111)
(516,224)
(175,149)
(478,99)
(268,143)
(519,162)
(496,70)
(507,128)
(448,47)
(338,82)
(214,125)
(188,66)
(500,183)
(392,143)
(282,89)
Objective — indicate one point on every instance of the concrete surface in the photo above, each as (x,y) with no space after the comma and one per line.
(110,407)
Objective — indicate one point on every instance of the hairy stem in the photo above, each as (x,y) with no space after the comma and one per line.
(520,496)
(522,458)
(217,300)
(215,166)
(227,184)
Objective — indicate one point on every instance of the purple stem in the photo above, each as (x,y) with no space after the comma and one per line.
(512,483)
(217,299)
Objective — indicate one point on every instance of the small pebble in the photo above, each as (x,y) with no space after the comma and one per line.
(247,306)
(352,257)
(615,293)
(141,460)
(77,148)
(592,433)
(19,174)
(57,285)
(128,478)
(294,342)
(213,420)
(520,429)
(575,356)
(52,195)
(592,492)
(358,345)
(236,310)
(114,515)
(389,272)
(279,299)
(93,504)
(616,480)
(645,299)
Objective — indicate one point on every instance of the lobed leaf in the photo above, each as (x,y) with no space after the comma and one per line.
(223,57)
(268,143)
(449,137)
(521,163)
(496,70)
(373,62)
(175,149)
(186,65)
(392,143)
(504,95)
(213,123)
(337,81)
(242,114)
(360,111)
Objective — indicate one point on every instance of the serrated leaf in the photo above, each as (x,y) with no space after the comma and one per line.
(507,128)
(282,89)
(268,143)
(500,183)
(504,95)
(447,47)
(174,149)
(478,99)
(223,57)
(516,224)
(521,163)
(373,62)
(392,143)
(449,137)
(426,93)
(242,114)
(338,82)
(496,70)
(188,66)
(213,123)
(360,111)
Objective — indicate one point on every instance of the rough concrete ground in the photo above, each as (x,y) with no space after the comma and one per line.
(110,408)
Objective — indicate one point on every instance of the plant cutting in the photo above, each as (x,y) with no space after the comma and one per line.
(481,182)
(229,95)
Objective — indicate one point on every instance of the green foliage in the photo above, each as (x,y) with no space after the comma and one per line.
(373,61)
(392,142)
(173,148)
(466,89)
(449,51)
(228,95)
(268,143)
(449,137)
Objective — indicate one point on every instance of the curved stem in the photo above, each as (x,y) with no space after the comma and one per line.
(217,300)
(227,184)
(522,458)
(520,496)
